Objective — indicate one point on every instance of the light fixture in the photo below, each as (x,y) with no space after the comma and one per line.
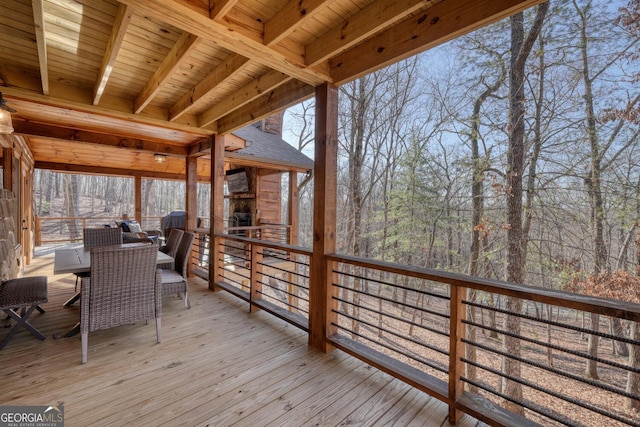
(6,126)
(160,158)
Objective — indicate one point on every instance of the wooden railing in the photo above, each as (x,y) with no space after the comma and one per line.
(451,335)
(69,229)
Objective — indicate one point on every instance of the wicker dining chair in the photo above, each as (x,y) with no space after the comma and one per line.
(91,238)
(173,241)
(124,288)
(171,247)
(175,281)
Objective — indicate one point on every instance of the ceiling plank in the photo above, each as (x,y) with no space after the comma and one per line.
(265,83)
(360,26)
(68,134)
(207,85)
(122,21)
(41,42)
(443,22)
(280,98)
(180,51)
(290,17)
(220,8)
(188,17)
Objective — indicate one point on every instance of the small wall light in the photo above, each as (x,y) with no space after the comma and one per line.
(159,158)
(6,126)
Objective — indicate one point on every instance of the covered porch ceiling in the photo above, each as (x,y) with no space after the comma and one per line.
(101,85)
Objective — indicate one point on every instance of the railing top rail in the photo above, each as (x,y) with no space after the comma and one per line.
(257,227)
(605,306)
(267,244)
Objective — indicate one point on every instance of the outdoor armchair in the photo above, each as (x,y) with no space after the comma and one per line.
(124,288)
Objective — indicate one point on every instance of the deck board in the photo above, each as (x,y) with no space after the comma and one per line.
(217,365)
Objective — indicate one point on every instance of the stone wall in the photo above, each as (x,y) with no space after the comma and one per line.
(9,267)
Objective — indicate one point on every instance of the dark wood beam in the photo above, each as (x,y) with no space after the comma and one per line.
(55,132)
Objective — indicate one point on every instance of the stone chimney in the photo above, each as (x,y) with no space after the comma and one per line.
(273,123)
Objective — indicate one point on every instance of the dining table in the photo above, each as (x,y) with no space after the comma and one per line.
(78,260)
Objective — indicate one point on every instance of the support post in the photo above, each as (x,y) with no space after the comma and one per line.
(321,290)
(217,209)
(137,183)
(292,239)
(457,331)
(255,291)
(191,200)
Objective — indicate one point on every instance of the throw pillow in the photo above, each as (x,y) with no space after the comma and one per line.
(134,227)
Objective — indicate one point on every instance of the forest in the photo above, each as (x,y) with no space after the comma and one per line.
(438,169)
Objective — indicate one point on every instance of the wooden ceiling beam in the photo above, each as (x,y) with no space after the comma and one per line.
(442,22)
(203,147)
(290,17)
(41,43)
(233,64)
(99,170)
(265,83)
(79,114)
(286,95)
(62,133)
(193,18)
(180,51)
(220,8)
(360,26)
(122,21)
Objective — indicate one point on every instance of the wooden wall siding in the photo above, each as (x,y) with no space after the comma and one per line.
(268,197)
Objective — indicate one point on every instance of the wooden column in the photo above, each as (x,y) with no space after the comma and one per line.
(324,218)
(217,208)
(137,204)
(191,201)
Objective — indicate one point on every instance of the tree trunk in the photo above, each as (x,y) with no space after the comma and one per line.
(633,379)
(516,241)
(591,370)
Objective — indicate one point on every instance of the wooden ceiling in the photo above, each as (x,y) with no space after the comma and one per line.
(106,83)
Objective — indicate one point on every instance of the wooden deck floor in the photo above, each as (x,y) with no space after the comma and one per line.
(217,365)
